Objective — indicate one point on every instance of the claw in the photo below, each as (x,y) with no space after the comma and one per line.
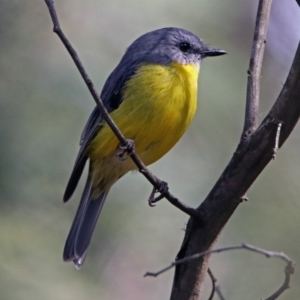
(163,189)
(128,148)
(151,199)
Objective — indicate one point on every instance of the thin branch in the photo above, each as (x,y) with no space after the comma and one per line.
(123,141)
(213,281)
(254,71)
(276,148)
(289,269)
(219,293)
(188,259)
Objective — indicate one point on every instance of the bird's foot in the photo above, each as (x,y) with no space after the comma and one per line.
(128,148)
(163,189)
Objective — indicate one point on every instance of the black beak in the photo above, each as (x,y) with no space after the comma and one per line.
(212,52)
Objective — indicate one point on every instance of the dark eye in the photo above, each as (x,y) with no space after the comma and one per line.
(184,47)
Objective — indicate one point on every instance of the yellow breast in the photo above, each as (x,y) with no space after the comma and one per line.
(159,104)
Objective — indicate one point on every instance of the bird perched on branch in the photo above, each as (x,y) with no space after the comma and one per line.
(152,97)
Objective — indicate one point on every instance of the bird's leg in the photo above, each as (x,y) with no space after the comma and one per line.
(128,148)
(163,189)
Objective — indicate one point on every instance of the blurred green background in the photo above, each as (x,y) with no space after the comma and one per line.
(44,105)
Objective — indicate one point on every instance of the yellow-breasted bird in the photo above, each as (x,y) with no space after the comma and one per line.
(152,97)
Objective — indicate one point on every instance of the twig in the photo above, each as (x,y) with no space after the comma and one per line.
(213,281)
(289,269)
(219,250)
(244,198)
(123,141)
(219,293)
(276,148)
(254,71)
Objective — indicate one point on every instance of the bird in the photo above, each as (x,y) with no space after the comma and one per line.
(152,97)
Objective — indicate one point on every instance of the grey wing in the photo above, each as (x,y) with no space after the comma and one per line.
(111,96)
(90,130)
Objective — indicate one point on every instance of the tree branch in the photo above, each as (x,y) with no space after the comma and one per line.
(289,269)
(250,158)
(213,281)
(254,71)
(219,293)
(247,163)
(123,141)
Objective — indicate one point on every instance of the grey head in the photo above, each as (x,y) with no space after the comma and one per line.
(168,45)
(161,46)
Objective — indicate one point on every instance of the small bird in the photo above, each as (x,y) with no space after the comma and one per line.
(152,97)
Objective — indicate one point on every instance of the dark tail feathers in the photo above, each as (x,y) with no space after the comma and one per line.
(83,226)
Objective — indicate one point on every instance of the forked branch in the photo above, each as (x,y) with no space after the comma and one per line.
(250,158)
(289,269)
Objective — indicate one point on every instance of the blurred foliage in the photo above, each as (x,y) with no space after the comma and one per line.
(43,108)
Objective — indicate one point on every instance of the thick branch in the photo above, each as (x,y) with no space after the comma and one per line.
(248,161)
(123,141)
(289,269)
(254,71)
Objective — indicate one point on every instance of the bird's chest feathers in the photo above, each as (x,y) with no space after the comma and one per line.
(162,99)
(159,104)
